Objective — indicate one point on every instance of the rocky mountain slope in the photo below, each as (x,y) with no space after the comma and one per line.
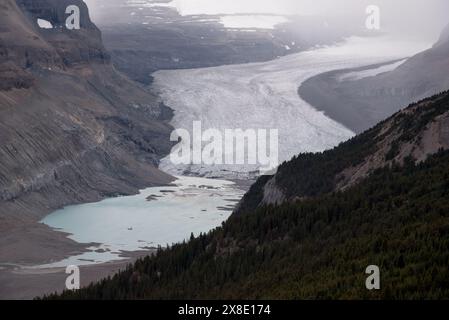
(414,133)
(73,129)
(380,199)
(360,104)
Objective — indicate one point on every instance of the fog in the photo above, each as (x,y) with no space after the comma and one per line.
(415,17)
(418,18)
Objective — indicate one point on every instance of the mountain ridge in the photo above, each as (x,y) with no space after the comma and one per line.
(361,104)
(391,142)
(73,129)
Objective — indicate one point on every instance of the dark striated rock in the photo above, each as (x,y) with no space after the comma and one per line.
(73,46)
(72,129)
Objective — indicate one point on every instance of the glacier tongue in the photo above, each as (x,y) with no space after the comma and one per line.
(264,96)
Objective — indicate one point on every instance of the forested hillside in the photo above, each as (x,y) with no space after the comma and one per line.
(418,131)
(318,246)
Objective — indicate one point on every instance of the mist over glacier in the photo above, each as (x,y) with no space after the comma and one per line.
(399,16)
(265,96)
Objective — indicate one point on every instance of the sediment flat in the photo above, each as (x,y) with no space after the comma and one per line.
(22,283)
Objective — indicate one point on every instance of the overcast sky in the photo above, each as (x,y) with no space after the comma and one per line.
(301,6)
(413,16)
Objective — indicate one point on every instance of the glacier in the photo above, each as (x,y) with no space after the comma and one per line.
(265,96)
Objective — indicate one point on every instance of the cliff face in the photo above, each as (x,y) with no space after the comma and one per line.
(83,45)
(72,129)
(17,39)
(26,47)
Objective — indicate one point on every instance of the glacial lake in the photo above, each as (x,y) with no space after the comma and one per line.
(158,216)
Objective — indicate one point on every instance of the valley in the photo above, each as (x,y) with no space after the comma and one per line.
(86,174)
(118,230)
(318,242)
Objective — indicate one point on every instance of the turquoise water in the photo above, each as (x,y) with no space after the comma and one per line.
(134,223)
